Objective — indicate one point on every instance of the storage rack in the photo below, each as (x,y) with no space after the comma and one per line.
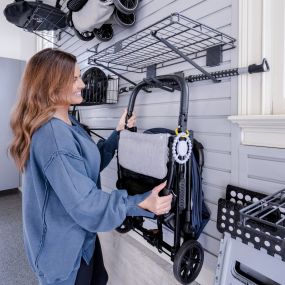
(167,42)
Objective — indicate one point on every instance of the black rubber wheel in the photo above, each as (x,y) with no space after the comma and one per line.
(84,36)
(124,20)
(188,261)
(76,5)
(125,227)
(126,6)
(105,33)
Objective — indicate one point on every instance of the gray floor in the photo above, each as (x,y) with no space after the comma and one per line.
(14,268)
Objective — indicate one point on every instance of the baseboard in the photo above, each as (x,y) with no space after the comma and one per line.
(9,192)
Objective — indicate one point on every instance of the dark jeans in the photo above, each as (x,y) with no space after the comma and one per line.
(94,273)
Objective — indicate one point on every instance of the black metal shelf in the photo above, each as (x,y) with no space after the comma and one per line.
(163,44)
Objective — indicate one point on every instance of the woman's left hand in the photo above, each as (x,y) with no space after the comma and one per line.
(131,121)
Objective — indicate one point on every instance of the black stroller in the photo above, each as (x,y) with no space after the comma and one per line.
(183,165)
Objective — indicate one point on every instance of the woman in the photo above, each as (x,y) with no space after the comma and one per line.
(63,205)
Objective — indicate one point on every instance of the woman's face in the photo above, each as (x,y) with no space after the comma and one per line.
(78,85)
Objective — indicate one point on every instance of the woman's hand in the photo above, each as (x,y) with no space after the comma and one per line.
(131,121)
(154,203)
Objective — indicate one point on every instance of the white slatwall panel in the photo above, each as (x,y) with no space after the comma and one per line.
(262,169)
(210,104)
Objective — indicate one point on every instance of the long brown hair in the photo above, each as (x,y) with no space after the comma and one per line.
(48,75)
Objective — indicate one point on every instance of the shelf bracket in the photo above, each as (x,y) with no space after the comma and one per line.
(116,73)
(151,71)
(172,47)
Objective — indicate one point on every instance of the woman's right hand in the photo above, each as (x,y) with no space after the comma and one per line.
(154,203)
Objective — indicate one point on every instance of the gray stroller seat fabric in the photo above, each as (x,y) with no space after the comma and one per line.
(50,2)
(144,153)
(93,15)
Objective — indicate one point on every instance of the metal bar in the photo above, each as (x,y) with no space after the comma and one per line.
(185,57)
(97,135)
(262,203)
(116,73)
(271,211)
(281,220)
(260,222)
(263,67)
(102,129)
(264,200)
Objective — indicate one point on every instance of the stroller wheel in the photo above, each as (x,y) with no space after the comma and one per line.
(75,5)
(84,36)
(105,33)
(188,262)
(126,6)
(125,227)
(124,20)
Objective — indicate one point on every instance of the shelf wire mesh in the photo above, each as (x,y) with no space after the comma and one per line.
(140,50)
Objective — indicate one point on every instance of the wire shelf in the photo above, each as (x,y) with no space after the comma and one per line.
(142,49)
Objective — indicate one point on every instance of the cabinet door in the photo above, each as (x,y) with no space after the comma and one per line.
(10,75)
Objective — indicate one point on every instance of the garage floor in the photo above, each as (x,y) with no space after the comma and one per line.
(14,267)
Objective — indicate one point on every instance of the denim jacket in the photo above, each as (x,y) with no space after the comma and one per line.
(63,205)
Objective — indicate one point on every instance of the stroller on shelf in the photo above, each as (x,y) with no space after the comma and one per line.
(146,160)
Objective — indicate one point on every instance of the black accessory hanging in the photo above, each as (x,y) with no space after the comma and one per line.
(96,83)
(35,16)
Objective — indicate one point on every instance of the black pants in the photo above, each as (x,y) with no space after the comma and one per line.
(94,273)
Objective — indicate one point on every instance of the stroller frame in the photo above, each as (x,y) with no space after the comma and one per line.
(178,183)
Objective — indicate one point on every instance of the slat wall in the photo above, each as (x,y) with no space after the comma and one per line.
(210,104)
(262,169)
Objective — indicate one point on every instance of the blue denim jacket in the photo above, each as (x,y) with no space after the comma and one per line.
(63,205)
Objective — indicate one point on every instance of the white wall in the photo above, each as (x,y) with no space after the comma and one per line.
(15,43)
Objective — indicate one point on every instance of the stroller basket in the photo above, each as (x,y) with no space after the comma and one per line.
(147,159)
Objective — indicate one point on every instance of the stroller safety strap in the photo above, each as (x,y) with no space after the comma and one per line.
(146,154)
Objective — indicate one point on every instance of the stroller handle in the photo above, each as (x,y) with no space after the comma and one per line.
(176,82)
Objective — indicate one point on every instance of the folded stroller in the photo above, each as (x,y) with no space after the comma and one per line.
(146,160)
